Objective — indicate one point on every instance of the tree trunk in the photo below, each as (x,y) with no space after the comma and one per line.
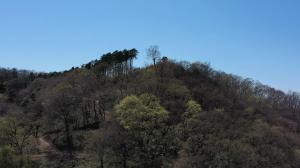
(68,137)
(102,163)
(124,156)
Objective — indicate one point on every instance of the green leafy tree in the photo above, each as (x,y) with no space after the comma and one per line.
(144,118)
(141,113)
(193,109)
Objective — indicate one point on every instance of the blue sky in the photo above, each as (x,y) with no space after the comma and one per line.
(259,39)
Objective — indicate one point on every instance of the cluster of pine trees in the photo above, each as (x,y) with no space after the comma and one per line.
(170,114)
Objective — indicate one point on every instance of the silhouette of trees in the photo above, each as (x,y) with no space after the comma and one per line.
(114,64)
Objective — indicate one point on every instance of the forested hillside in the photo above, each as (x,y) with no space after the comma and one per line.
(171,114)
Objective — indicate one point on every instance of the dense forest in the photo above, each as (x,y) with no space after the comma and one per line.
(171,114)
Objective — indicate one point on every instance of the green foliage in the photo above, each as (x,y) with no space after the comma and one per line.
(193,109)
(141,113)
(145,119)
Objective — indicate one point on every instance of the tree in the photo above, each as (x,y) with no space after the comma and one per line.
(112,147)
(162,69)
(62,106)
(140,112)
(17,134)
(192,110)
(99,146)
(118,63)
(2,87)
(153,53)
(144,118)
(6,158)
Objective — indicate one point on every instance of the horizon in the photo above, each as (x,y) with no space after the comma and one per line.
(259,40)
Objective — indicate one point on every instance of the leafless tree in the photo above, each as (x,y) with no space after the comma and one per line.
(18,137)
(153,53)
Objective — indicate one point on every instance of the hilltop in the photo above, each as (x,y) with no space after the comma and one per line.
(107,113)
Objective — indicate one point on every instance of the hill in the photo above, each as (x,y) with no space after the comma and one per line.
(108,113)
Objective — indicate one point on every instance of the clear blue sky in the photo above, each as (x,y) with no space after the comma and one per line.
(259,39)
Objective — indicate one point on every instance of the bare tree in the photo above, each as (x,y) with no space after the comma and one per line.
(153,53)
(18,136)
(62,107)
